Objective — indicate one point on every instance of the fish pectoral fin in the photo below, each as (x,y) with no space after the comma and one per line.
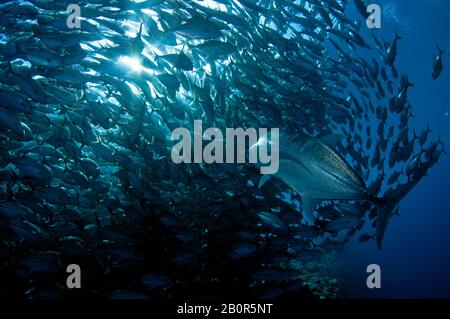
(309,206)
(263,180)
(332,140)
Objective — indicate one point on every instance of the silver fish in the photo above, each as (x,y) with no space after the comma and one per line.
(312,168)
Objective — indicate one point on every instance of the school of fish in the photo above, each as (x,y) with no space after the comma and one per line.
(86,116)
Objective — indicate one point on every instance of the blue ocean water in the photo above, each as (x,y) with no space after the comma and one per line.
(415,259)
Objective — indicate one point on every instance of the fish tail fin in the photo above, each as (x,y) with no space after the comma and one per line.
(44,160)
(439,48)
(406,82)
(98,223)
(443,149)
(140,30)
(440,140)
(386,208)
(83,96)
(66,168)
(7,156)
(384,213)
(398,37)
(14,180)
(110,92)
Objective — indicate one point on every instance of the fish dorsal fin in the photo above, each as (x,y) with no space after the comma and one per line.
(309,205)
(263,180)
(332,139)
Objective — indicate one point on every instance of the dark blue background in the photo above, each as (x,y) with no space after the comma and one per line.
(415,259)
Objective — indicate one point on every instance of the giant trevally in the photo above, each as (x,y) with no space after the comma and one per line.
(316,171)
